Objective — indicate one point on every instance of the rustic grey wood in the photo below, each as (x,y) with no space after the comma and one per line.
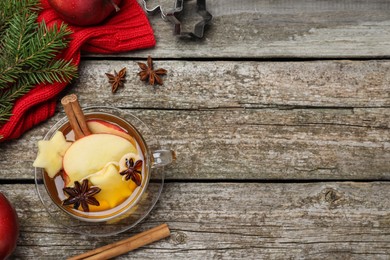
(234,220)
(230,84)
(247,120)
(235,110)
(280,29)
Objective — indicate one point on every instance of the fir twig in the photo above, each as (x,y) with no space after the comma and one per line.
(9,96)
(28,53)
(27,50)
(11,7)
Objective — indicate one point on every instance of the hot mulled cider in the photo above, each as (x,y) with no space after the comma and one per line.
(94,165)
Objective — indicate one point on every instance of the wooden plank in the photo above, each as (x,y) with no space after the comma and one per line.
(279,29)
(222,145)
(329,121)
(230,84)
(234,220)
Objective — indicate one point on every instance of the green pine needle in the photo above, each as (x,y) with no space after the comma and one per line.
(11,7)
(28,53)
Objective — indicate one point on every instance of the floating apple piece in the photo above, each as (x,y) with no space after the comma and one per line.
(84,12)
(113,190)
(91,153)
(50,153)
(9,227)
(99,126)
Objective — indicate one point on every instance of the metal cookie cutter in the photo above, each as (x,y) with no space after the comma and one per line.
(153,10)
(199,27)
(173,17)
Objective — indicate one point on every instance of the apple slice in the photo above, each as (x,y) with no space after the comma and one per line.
(50,153)
(99,127)
(122,161)
(113,189)
(91,153)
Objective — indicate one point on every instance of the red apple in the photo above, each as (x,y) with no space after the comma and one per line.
(9,227)
(84,12)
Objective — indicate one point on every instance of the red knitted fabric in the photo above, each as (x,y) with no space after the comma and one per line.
(127,30)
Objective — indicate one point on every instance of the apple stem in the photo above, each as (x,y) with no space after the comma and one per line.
(114,5)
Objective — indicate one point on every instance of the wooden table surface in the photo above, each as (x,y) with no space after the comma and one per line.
(280,121)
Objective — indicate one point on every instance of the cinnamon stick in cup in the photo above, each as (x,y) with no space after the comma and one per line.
(77,119)
(75,115)
(126,245)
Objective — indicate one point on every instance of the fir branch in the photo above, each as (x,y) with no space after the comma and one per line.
(8,97)
(27,49)
(46,44)
(13,42)
(8,8)
(56,71)
(28,53)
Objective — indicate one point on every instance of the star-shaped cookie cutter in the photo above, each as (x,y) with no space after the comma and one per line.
(199,27)
(172,16)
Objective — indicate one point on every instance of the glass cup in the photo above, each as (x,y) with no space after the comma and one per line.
(137,206)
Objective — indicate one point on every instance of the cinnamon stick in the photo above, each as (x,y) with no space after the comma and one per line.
(126,245)
(75,115)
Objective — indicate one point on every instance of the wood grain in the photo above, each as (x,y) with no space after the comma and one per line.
(240,84)
(259,115)
(278,29)
(247,120)
(234,220)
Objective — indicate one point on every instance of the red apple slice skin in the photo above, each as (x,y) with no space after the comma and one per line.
(65,178)
(102,127)
(115,127)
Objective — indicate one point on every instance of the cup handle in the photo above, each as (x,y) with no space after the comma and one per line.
(162,158)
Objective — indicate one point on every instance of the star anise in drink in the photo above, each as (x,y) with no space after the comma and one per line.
(117,79)
(147,72)
(133,171)
(81,194)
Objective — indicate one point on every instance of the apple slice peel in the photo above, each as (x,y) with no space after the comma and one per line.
(101,127)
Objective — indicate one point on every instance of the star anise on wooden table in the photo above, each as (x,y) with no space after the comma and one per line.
(117,79)
(133,171)
(147,72)
(81,194)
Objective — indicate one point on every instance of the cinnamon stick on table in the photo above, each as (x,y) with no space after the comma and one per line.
(126,245)
(75,115)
